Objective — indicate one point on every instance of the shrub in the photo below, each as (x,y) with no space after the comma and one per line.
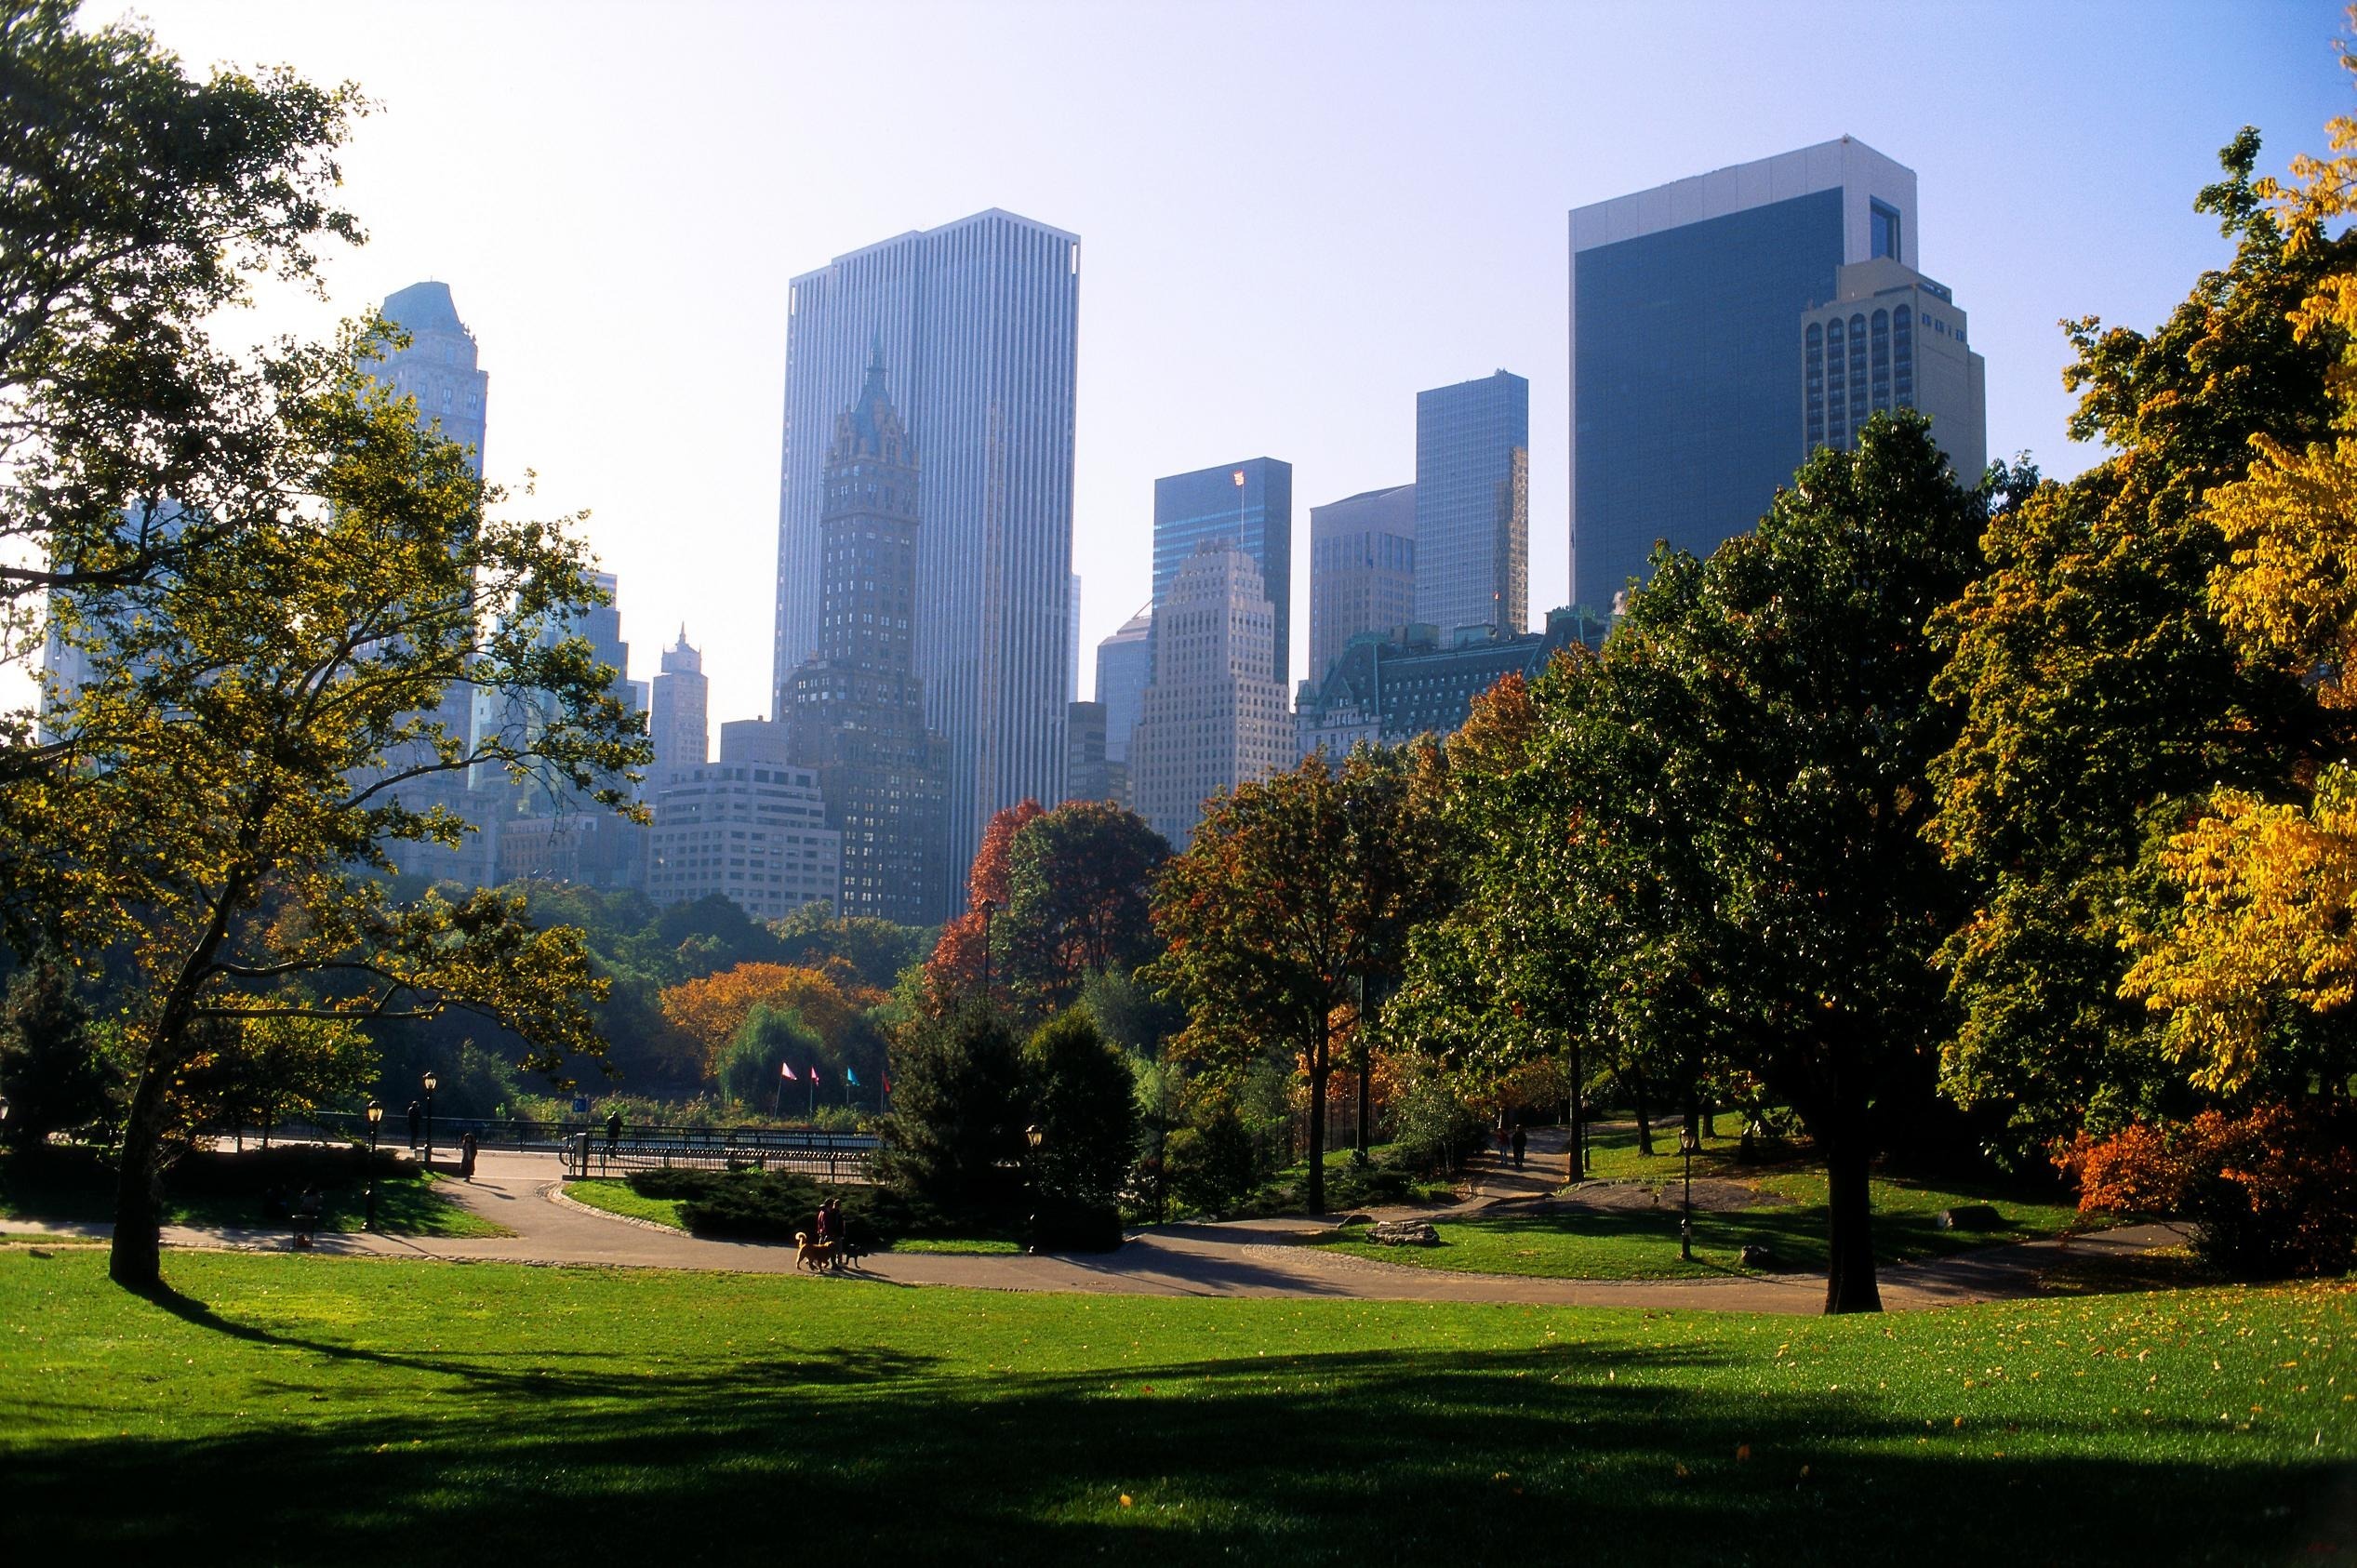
(50,1069)
(2271,1191)
(1432,1131)
(1081,1095)
(1210,1163)
(954,1137)
(773,1205)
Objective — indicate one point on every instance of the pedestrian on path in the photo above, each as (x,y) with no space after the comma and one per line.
(466,1157)
(1521,1142)
(417,1124)
(614,1130)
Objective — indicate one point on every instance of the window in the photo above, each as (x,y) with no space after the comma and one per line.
(1882,230)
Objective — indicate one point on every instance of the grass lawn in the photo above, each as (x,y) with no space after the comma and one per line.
(83,1190)
(1642,1243)
(287,1409)
(618,1197)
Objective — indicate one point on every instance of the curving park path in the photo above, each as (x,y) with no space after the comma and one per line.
(1239,1258)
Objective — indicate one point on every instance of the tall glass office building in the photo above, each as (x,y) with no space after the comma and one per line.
(1248,504)
(1687,307)
(976,324)
(1472,504)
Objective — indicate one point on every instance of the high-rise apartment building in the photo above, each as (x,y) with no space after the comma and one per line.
(1472,504)
(1125,665)
(1890,338)
(976,321)
(1249,504)
(440,370)
(680,726)
(1087,776)
(1214,716)
(1687,376)
(1389,687)
(751,827)
(856,712)
(1362,571)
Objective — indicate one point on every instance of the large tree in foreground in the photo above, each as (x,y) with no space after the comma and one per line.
(234,765)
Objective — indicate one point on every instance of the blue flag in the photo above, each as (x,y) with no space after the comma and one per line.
(851,1077)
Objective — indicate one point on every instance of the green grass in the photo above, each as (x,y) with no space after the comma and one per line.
(618,1197)
(286,1407)
(1642,1243)
(82,1191)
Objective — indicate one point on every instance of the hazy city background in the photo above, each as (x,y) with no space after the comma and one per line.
(1293,218)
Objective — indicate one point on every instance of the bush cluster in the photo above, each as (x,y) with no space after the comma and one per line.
(774,1205)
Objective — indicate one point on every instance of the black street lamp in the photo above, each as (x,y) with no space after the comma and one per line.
(1034,1135)
(1686,1140)
(376,1116)
(989,907)
(431,1081)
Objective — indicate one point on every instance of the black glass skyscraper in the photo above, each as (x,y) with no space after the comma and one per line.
(1472,504)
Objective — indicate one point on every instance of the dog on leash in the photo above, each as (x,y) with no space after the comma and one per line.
(810,1254)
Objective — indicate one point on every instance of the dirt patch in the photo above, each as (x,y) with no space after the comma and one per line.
(1712,1195)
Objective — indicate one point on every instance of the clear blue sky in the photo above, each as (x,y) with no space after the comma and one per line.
(1293,216)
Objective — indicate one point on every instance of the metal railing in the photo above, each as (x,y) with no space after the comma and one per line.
(834,1156)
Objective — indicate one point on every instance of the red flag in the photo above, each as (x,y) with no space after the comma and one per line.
(887,1083)
(784,1071)
(814,1072)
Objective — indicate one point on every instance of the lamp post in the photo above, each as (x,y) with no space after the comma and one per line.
(376,1115)
(1686,1141)
(431,1081)
(1034,1135)
(989,907)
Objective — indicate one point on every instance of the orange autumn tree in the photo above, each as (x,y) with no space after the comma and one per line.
(954,972)
(715,1008)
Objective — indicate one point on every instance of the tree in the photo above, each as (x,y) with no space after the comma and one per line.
(1080,881)
(50,1072)
(2101,692)
(771,1037)
(229,778)
(875,949)
(714,1009)
(953,974)
(1080,1096)
(139,204)
(954,1134)
(1262,918)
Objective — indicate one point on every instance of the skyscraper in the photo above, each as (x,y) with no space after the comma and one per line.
(1125,663)
(1247,503)
(1362,571)
(749,827)
(856,712)
(1890,338)
(681,728)
(1472,504)
(976,323)
(1214,716)
(1686,305)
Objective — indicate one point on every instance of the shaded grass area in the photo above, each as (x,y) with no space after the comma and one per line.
(1349,1184)
(287,1407)
(73,1184)
(619,1196)
(1640,1243)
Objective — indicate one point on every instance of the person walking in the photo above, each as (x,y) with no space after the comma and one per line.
(417,1124)
(466,1157)
(614,1130)
(1521,1142)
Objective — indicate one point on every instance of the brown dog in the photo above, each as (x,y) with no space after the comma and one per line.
(810,1254)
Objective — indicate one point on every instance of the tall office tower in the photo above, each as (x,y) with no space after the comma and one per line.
(439,370)
(1686,305)
(1214,716)
(856,712)
(1890,338)
(1072,643)
(1250,505)
(1472,504)
(977,323)
(1362,571)
(1086,774)
(681,727)
(1124,664)
(751,827)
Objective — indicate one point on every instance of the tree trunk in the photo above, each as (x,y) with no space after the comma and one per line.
(1576,1157)
(1849,1275)
(1318,1066)
(1644,1114)
(136,1261)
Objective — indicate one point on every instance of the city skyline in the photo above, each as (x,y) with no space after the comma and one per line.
(1195,343)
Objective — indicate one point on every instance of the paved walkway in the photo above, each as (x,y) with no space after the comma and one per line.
(1239,1258)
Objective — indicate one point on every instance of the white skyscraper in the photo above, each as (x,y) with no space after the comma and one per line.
(1214,716)
(680,729)
(976,323)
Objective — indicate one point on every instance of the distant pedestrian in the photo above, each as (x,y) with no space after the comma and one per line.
(466,1157)
(614,1130)
(1521,1142)
(417,1126)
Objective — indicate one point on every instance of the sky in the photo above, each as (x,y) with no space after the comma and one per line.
(1292,217)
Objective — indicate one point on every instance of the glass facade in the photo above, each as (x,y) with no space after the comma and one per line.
(1473,503)
(1248,504)
(1687,401)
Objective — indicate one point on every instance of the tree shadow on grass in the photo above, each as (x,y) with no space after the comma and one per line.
(1615,1452)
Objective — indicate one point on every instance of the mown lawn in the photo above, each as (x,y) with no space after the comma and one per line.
(80,1190)
(293,1409)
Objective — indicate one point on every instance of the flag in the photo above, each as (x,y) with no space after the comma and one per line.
(1239,479)
(851,1077)
(814,1072)
(784,1071)
(887,1083)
